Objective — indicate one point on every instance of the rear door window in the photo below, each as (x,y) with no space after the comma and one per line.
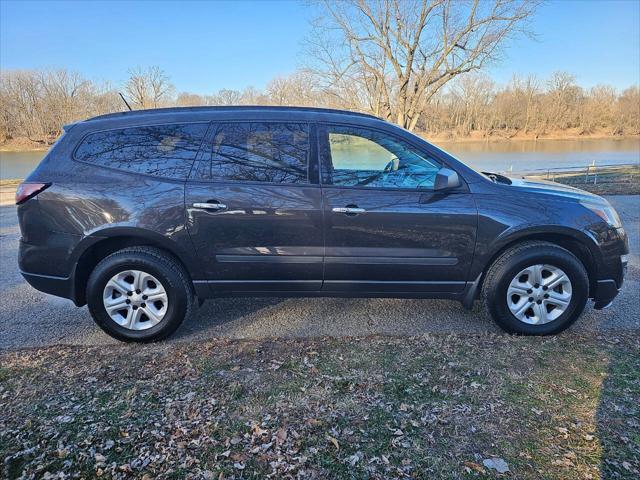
(159,150)
(258,152)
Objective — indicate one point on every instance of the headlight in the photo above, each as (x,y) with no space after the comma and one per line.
(606,212)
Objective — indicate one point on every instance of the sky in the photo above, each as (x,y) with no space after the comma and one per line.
(205,46)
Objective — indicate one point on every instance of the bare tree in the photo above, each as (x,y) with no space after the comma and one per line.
(628,112)
(37,104)
(21,100)
(561,101)
(472,94)
(148,88)
(296,89)
(227,97)
(399,53)
(185,99)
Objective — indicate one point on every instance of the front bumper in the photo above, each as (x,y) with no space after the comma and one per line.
(606,291)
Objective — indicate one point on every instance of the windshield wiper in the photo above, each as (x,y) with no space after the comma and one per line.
(497,178)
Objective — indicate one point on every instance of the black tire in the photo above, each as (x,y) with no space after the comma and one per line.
(163,267)
(519,257)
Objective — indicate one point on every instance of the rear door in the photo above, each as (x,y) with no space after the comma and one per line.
(254,208)
(386,230)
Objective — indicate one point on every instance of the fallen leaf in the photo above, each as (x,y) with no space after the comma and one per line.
(355,458)
(334,441)
(564,462)
(474,466)
(497,464)
(259,431)
(281,434)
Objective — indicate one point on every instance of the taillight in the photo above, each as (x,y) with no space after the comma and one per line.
(27,190)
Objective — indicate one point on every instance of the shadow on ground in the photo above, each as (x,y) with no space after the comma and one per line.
(618,413)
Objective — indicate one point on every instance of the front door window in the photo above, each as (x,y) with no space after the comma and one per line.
(359,157)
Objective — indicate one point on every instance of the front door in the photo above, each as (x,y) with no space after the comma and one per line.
(386,230)
(254,216)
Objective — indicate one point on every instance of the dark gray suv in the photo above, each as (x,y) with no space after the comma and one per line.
(138,214)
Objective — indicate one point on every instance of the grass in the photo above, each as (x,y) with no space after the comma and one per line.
(602,180)
(423,407)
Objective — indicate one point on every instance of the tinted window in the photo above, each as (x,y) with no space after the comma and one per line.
(259,152)
(160,150)
(368,158)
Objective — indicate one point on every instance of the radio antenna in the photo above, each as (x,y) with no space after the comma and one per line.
(125,101)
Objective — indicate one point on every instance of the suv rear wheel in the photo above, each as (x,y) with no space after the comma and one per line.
(536,288)
(139,294)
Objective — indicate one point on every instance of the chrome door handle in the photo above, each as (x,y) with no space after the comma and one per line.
(210,206)
(348,210)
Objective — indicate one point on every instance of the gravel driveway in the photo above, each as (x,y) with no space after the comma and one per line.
(29,318)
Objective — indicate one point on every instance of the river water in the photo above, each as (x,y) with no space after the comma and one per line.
(516,155)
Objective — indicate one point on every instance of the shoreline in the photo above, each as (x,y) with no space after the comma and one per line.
(19,147)
(4,149)
(494,139)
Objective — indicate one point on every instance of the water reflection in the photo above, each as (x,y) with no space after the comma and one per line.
(529,154)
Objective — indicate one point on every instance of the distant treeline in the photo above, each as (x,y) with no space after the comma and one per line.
(36,104)
(532,107)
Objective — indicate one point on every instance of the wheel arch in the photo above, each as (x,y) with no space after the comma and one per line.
(578,243)
(94,248)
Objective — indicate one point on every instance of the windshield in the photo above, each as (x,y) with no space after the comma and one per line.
(491,176)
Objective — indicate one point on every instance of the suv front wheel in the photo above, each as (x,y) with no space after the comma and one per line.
(536,288)
(139,294)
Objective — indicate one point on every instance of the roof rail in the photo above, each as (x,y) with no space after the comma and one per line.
(212,109)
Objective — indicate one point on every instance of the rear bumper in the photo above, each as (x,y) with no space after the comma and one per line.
(58,286)
(51,261)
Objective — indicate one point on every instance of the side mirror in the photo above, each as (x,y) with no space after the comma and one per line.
(446,179)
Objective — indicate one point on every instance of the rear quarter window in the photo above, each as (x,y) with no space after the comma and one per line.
(160,150)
